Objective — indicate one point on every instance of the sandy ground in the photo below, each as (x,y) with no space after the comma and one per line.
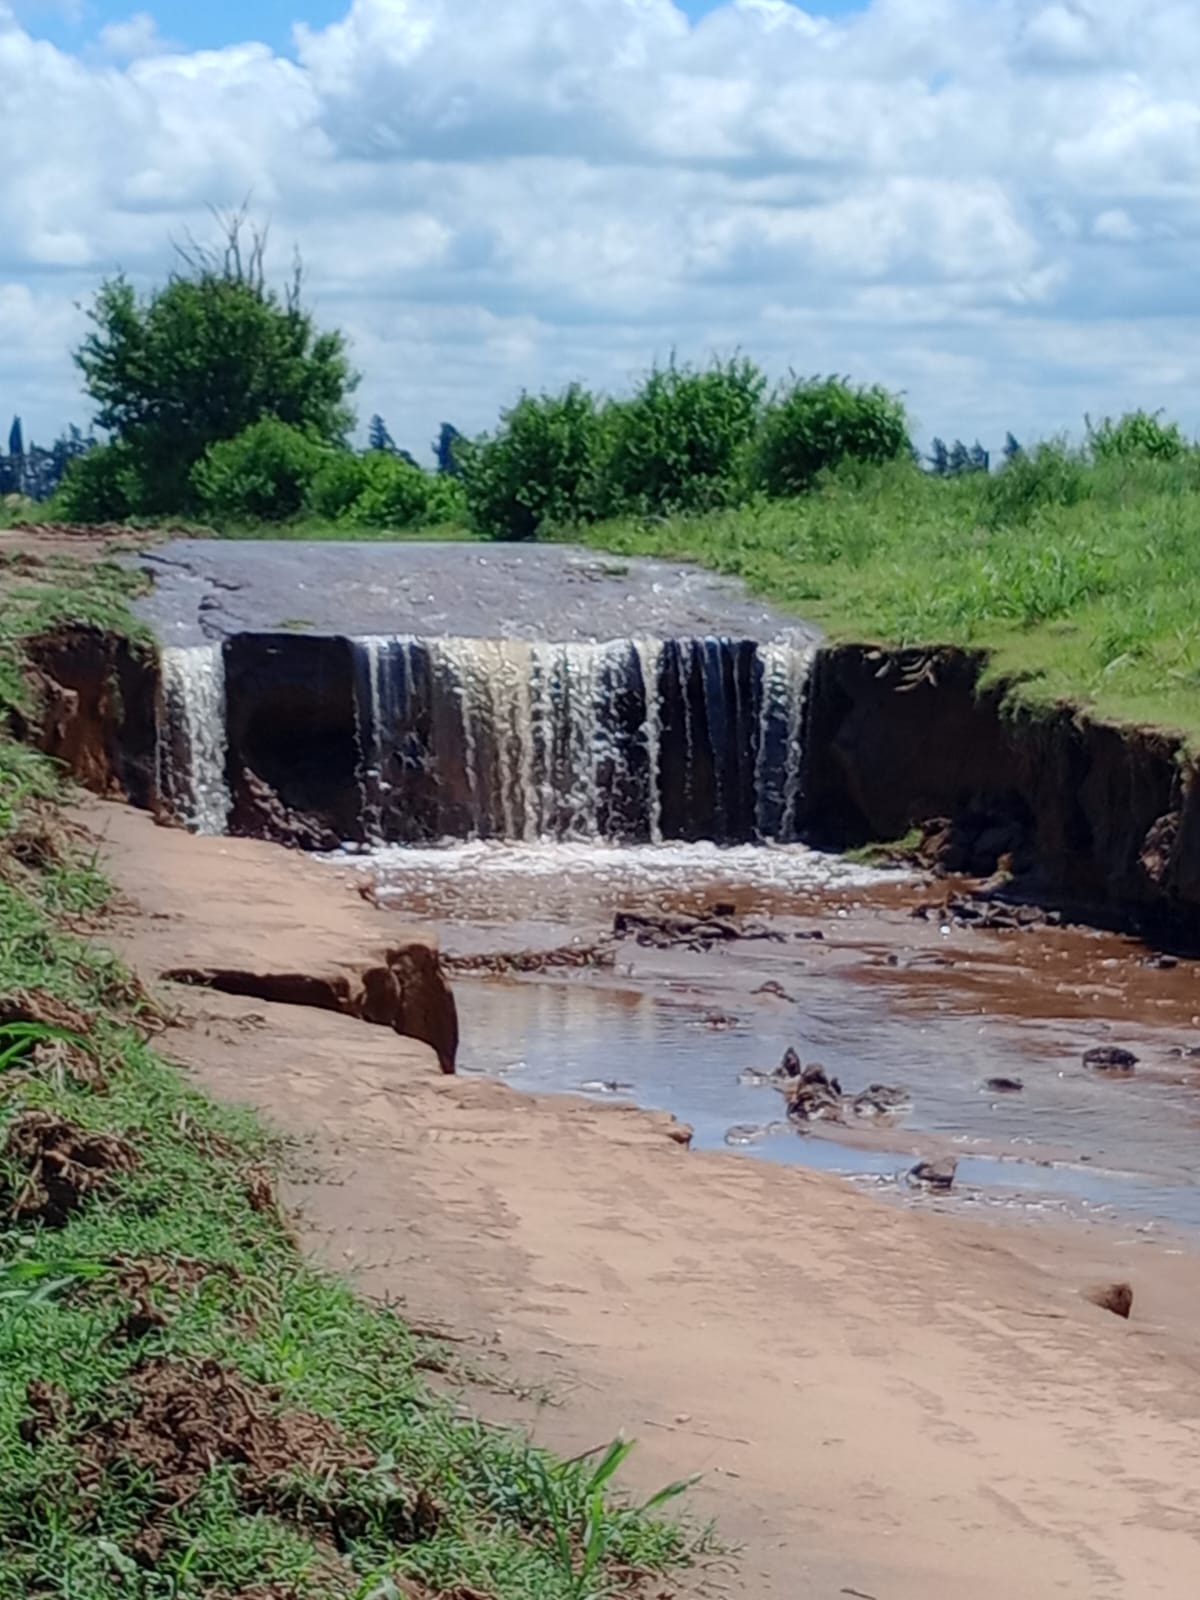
(889,1402)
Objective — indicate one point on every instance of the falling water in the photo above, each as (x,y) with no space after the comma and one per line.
(527,740)
(639,740)
(191,737)
(784,695)
(649,653)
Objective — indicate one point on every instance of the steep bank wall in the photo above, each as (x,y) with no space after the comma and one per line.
(1096,818)
(1103,821)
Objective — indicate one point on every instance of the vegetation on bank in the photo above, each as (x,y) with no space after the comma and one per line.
(186,1407)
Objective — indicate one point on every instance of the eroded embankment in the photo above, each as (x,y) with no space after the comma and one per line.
(1100,820)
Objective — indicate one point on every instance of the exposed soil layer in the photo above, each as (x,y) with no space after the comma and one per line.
(60,1166)
(96,695)
(1100,819)
(298,948)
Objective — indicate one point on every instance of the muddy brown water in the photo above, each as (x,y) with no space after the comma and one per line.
(882,997)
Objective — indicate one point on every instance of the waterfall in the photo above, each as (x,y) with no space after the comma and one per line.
(624,739)
(784,697)
(191,737)
(408,740)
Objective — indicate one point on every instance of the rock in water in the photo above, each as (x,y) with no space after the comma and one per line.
(1114,1297)
(1005,1086)
(1110,1058)
(934,1174)
(790,1066)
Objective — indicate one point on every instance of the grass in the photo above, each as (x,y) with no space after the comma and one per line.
(174,1264)
(1096,600)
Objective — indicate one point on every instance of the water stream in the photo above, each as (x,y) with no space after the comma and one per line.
(515,793)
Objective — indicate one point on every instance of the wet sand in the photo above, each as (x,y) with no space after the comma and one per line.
(900,1402)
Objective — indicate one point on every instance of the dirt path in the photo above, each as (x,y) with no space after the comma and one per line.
(895,1403)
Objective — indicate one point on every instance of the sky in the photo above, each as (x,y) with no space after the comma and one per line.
(991,206)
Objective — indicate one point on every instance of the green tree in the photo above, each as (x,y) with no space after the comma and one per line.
(819,423)
(541,468)
(265,474)
(204,357)
(683,442)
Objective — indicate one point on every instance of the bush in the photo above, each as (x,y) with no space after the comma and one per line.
(337,485)
(102,485)
(1050,475)
(683,442)
(821,422)
(541,468)
(1137,436)
(266,473)
(394,493)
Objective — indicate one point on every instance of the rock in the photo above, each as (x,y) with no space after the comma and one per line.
(605,1086)
(880,1100)
(720,1020)
(756,1078)
(791,1065)
(775,989)
(1005,1086)
(1114,1297)
(814,1102)
(744,1133)
(1109,1058)
(934,1174)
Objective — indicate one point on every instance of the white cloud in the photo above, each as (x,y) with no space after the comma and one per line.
(132,39)
(492,194)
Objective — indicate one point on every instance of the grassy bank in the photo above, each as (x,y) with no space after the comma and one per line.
(1087,590)
(186,1407)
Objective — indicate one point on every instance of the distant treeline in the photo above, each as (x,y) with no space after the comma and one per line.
(32,472)
(222,400)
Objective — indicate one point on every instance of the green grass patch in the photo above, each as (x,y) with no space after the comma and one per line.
(187,1407)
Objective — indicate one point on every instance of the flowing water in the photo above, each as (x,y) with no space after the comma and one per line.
(191,740)
(515,792)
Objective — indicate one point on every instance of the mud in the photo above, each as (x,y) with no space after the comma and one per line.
(60,1167)
(406,992)
(182,1421)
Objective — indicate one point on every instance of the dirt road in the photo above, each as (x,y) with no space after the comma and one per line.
(898,1403)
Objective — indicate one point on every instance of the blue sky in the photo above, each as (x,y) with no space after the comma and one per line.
(209,24)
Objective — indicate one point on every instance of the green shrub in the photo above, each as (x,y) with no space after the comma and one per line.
(267,472)
(102,485)
(1137,436)
(683,442)
(541,468)
(821,422)
(1050,475)
(337,485)
(394,493)
(447,499)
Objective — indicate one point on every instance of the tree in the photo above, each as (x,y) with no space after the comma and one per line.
(448,463)
(819,423)
(1011,448)
(939,459)
(960,460)
(16,438)
(378,437)
(981,460)
(201,359)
